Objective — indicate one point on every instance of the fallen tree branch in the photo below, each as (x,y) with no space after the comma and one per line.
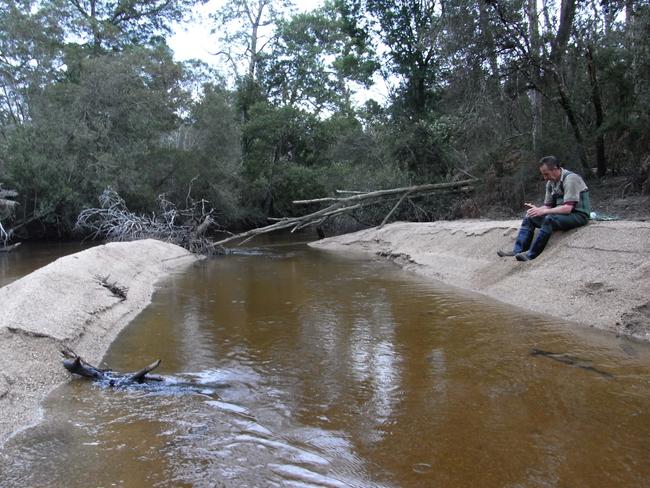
(7,208)
(187,227)
(392,191)
(76,365)
(341,205)
(392,211)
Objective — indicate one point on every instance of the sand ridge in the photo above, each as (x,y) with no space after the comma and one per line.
(598,275)
(74,301)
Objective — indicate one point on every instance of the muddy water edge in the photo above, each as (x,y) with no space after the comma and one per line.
(287,366)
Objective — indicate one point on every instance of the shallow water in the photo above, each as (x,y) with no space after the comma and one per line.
(33,255)
(288,366)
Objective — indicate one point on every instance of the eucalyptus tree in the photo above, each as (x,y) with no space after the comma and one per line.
(576,56)
(318,60)
(411,30)
(106,24)
(246,29)
(304,110)
(536,45)
(617,67)
(213,164)
(30,42)
(411,35)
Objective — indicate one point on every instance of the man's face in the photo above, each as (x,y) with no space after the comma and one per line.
(550,174)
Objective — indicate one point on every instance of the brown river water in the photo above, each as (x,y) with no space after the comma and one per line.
(287,366)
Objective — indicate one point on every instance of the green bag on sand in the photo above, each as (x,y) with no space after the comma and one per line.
(602,217)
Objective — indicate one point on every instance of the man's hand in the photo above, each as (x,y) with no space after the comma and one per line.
(534,211)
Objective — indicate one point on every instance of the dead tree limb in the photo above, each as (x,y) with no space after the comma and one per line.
(7,208)
(186,227)
(392,211)
(108,378)
(76,365)
(393,191)
(340,205)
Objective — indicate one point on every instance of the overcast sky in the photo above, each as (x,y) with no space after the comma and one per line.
(193,39)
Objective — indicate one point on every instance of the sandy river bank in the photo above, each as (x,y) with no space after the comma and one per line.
(68,303)
(598,275)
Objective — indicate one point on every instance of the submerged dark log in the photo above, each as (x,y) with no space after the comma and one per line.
(570,360)
(76,365)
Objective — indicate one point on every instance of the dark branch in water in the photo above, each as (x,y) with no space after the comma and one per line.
(570,360)
(76,365)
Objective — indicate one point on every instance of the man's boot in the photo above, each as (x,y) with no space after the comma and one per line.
(503,253)
(537,247)
(524,238)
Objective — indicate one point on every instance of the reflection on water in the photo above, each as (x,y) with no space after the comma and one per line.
(344,373)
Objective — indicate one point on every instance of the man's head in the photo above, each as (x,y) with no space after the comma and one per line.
(549,167)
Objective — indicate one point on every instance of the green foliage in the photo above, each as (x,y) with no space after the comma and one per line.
(30,39)
(315,60)
(105,25)
(214,158)
(103,129)
(410,30)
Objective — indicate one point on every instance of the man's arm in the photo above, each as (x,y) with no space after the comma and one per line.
(564,209)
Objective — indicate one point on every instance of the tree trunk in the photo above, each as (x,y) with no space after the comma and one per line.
(601,162)
(490,46)
(565,103)
(567,14)
(534,95)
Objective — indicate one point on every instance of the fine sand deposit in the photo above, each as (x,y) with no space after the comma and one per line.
(66,304)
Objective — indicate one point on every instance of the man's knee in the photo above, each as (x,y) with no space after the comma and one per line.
(551,220)
(549,223)
(562,222)
(531,222)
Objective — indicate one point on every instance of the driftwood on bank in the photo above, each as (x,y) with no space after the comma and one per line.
(345,204)
(186,227)
(7,208)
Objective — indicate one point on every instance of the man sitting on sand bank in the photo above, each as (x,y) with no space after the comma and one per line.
(566,206)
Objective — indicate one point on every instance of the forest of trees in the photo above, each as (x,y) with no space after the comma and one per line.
(91,98)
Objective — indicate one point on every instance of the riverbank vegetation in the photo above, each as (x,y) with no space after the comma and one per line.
(92,99)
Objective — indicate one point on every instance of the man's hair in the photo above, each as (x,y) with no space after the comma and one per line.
(551,162)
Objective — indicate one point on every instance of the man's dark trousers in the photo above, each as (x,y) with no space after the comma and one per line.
(546,225)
